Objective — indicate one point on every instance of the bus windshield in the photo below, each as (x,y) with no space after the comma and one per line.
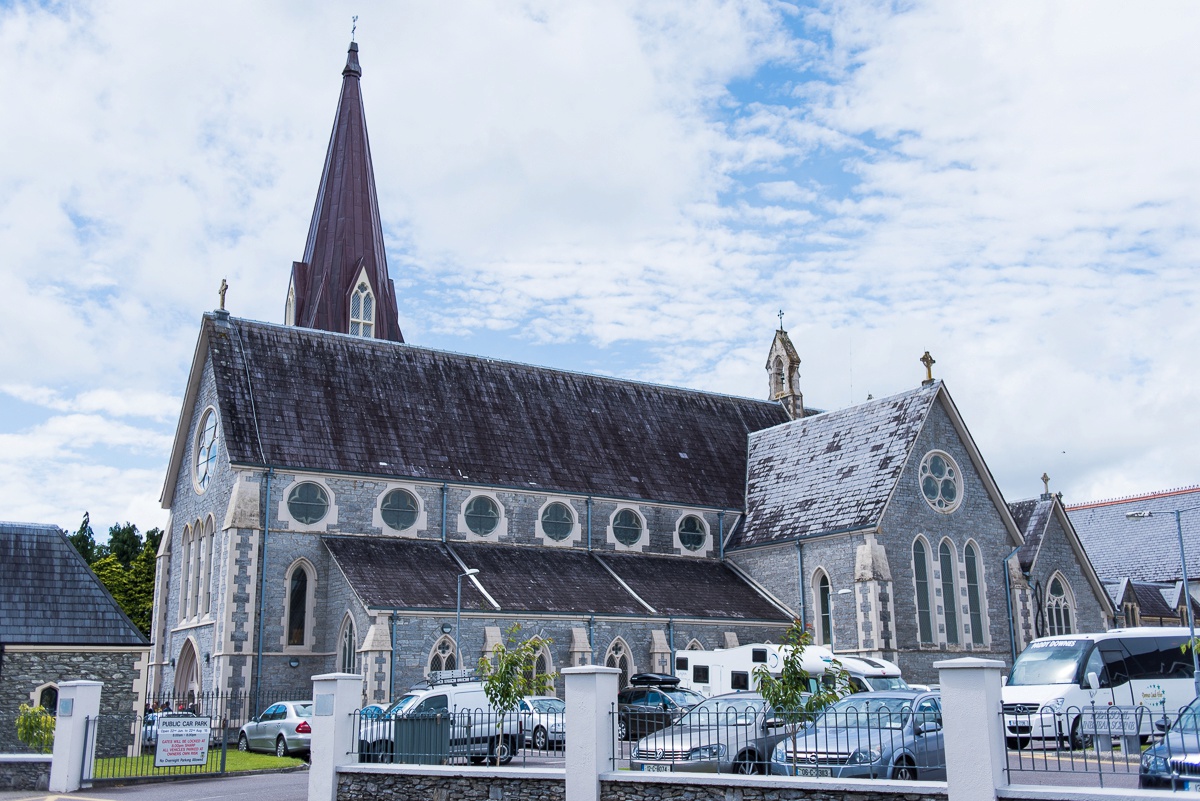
(1049,662)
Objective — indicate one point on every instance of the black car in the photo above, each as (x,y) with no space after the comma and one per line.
(1174,763)
(652,702)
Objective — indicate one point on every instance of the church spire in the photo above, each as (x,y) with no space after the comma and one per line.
(783,371)
(342,284)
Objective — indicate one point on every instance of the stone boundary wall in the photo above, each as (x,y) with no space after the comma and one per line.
(628,786)
(24,771)
(435,783)
(1031,793)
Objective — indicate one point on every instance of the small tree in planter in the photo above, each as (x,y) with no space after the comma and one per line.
(508,675)
(35,728)
(794,695)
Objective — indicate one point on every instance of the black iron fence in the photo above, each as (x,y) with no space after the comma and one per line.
(457,737)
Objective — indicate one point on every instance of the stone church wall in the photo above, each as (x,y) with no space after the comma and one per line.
(1057,555)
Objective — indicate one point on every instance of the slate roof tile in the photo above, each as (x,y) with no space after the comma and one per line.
(1032,518)
(1141,549)
(49,595)
(404,574)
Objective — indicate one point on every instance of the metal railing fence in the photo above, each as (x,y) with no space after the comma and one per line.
(457,737)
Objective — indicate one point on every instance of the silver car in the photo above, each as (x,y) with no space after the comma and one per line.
(732,733)
(882,735)
(542,719)
(283,729)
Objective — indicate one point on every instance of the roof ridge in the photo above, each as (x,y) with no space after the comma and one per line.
(1128,498)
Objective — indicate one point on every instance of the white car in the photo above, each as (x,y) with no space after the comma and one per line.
(543,721)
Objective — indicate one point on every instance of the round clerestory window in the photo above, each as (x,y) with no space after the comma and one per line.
(627,527)
(206,449)
(692,534)
(399,509)
(308,503)
(941,481)
(557,521)
(483,515)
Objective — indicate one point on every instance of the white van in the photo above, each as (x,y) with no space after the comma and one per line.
(726,670)
(1055,679)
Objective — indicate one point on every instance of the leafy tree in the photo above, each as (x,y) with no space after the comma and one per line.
(794,695)
(153,540)
(509,673)
(84,540)
(126,566)
(35,728)
(124,543)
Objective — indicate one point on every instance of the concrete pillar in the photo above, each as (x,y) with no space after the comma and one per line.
(972,727)
(335,697)
(591,694)
(75,735)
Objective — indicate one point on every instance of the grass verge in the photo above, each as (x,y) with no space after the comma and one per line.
(235,762)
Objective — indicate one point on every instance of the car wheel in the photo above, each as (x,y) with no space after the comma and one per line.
(243,743)
(507,750)
(622,729)
(539,739)
(281,749)
(1079,741)
(747,765)
(1017,743)
(905,771)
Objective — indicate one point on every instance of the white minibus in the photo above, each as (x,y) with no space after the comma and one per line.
(727,670)
(1055,679)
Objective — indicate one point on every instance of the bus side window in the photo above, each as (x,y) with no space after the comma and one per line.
(1176,662)
(1114,663)
(1144,660)
(1095,664)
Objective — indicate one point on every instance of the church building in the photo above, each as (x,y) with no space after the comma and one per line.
(343,500)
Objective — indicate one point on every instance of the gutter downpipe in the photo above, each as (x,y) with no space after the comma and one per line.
(392,658)
(1012,631)
(262,588)
(800,581)
(671,635)
(720,547)
(444,490)
(592,639)
(589,526)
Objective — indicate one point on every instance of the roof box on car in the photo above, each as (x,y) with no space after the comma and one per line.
(653,680)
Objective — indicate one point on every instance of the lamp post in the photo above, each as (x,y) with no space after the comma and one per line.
(1187,591)
(458,613)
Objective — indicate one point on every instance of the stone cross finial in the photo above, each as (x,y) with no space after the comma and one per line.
(353,26)
(929,362)
(1045,483)
(224,288)
(780,315)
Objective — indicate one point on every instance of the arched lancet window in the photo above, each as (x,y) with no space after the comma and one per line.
(210,535)
(444,655)
(541,664)
(618,657)
(949,596)
(297,610)
(824,609)
(47,699)
(780,376)
(974,592)
(694,645)
(185,572)
(347,650)
(1059,608)
(362,311)
(921,579)
(289,308)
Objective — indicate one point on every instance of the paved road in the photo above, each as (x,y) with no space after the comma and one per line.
(266,787)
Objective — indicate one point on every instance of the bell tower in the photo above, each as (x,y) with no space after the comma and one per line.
(783,373)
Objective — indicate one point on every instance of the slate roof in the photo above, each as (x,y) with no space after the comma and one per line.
(49,595)
(418,574)
(330,402)
(1141,549)
(1154,599)
(1032,518)
(830,472)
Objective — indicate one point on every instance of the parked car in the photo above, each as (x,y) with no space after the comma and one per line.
(1174,762)
(653,701)
(283,729)
(542,721)
(731,733)
(879,735)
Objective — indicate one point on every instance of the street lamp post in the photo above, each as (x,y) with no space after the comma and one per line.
(1187,590)
(458,613)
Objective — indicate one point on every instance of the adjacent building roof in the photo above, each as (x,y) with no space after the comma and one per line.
(309,400)
(1142,548)
(398,573)
(831,472)
(49,595)
(1034,518)
(1154,599)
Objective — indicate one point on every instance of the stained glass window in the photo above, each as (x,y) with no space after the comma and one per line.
(399,509)
(482,515)
(627,527)
(692,534)
(557,521)
(308,502)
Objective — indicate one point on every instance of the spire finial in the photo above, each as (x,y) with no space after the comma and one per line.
(929,362)
(1045,487)
(353,26)
(223,289)
(780,315)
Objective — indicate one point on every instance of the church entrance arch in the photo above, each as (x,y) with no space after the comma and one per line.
(187,675)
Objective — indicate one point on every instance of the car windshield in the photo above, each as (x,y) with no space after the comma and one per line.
(551,706)
(1189,718)
(303,710)
(1048,662)
(887,683)
(404,703)
(724,711)
(683,697)
(857,712)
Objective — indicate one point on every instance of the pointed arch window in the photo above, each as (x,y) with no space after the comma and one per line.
(824,610)
(618,657)
(974,594)
(289,308)
(444,656)
(780,376)
(1058,608)
(949,597)
(362,311)
(185,572)
(921,578)
(297,613)
(347,652)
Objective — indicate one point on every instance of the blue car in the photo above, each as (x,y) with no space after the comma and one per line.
(1174,763)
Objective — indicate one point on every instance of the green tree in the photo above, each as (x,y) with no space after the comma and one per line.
(124,542)
(795,696)
(153,540)
(35,728)
(509,674)
(84,540)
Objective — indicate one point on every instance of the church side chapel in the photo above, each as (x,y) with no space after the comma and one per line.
(343,500)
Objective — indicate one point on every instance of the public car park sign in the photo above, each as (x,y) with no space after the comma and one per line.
(181,741)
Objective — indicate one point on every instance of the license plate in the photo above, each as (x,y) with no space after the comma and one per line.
(814,773)
(656,768)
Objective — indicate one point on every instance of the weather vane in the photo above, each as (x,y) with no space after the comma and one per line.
(780,319)
(353,26)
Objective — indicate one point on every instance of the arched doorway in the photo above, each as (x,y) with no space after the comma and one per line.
(187,676)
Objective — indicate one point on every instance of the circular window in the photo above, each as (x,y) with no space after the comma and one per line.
(206,449)
(691,533)
(482,515)
(627,527)
(557,521)
(941,481)
(308,503)
(399,509)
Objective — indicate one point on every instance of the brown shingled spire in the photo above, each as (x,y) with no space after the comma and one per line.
(345,247)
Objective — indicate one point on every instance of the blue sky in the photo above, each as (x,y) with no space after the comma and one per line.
(629,188)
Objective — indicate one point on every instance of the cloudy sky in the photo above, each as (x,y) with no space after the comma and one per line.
(631,188)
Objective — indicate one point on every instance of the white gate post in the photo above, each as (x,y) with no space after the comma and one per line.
(972,728)
(75,735)
(591,693)
(335,697)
